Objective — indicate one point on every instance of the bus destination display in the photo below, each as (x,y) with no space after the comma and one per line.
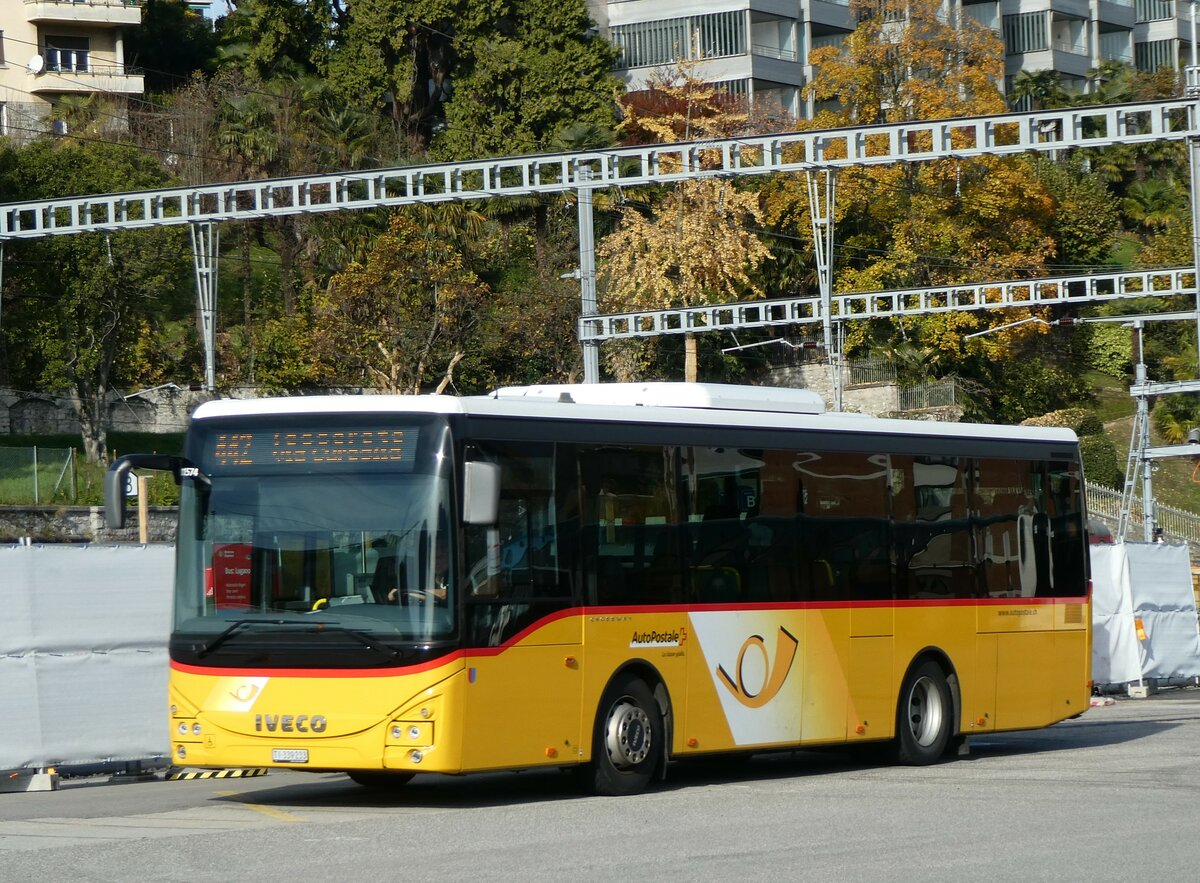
(313,447)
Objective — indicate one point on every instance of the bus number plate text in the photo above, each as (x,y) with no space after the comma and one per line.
(289,755)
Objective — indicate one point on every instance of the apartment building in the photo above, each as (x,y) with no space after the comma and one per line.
(54,48)
(760,48)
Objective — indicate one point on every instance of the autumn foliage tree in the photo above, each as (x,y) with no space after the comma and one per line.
(910,225)
(696,244)
(402,320)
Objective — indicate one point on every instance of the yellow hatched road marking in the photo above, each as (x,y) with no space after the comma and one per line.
(279,814)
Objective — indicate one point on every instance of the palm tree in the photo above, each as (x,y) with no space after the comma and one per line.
(1041,89)
(1152,204)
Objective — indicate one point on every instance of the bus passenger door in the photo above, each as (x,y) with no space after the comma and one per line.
(522,696)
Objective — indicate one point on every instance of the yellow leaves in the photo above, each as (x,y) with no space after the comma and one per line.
(694,248)
(678,106)
(696,245)
(402,317)
(999,346)
(911,64)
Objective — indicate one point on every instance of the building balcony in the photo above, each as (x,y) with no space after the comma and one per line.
(97,13)
(69,76)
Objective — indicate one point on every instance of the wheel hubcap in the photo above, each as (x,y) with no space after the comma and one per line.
(925,712)
(627,736)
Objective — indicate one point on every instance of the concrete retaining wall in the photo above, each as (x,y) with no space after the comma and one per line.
(80,524)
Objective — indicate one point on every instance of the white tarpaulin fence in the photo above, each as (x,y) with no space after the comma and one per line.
(1143,614)
(83,654)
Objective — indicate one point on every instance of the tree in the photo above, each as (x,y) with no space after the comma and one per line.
(270,37)
(910,225)
(1042,89)
(75,304)
(495,77)
(542,73)
(696,244)
(909,63)
(402,320)
(1152,205)
(170,44)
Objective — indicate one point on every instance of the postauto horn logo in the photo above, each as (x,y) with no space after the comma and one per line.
(757,697)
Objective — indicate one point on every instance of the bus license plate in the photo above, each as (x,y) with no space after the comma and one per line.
(289,755)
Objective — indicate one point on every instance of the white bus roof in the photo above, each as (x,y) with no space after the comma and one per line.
(718,396)
(686,404)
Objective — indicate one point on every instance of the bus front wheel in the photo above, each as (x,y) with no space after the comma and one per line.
(628,741)
(924,719)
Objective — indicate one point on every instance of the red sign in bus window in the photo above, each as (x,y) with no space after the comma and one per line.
(231,576)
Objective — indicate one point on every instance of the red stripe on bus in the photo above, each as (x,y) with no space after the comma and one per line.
(475,652)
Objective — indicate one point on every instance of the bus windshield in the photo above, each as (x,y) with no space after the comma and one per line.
(276,540)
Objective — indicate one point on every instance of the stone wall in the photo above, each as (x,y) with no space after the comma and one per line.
(158,410)
(81,524)
(162,409)
(876,399)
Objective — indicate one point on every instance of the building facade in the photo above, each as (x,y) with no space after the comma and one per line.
(760,48)
(54,48)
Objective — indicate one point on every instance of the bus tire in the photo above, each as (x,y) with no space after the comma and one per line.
(378,780)
(627,744)
(925,716)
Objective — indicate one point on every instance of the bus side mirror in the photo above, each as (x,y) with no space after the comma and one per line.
(481,492)
(118,472)
(114,493)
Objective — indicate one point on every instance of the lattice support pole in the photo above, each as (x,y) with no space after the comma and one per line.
(1139,445)
(205,242)
(587,276)
(1194,166)
(821,191)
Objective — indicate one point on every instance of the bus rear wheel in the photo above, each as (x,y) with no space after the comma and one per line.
(628,741)
(924,719)
(379,781)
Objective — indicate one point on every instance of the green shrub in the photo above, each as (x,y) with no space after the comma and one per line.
(1081,420)
(1111,349)
(1101,460)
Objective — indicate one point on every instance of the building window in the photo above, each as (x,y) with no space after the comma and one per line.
(986,14)
(718,35)
(1154,54)
(1114,46)
(67,54)
(1154,10)
(1025,33)
(820,41)
(1,47)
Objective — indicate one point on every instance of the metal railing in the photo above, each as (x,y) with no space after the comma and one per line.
(941,394)
(774,52)
(1178,525)
(865,372)
(40,475)
(1070,48)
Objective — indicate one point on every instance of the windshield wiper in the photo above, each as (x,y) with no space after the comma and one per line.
(367,641)
(333,627)
(237,625)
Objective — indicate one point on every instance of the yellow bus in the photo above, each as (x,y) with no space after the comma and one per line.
(611,577)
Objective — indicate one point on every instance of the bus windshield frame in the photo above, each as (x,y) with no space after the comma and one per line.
(315,541)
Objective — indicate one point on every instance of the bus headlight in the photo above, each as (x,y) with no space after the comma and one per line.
(181,753)
(411,733)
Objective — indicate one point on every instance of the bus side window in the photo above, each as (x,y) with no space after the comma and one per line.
(935,548)
(1067,541)
(630,517)
(844,526)
(515,571)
